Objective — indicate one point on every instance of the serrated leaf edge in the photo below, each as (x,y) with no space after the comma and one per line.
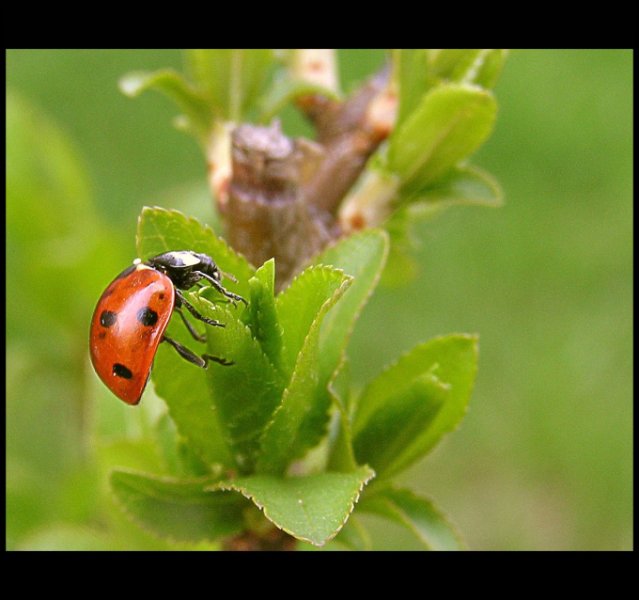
(383,235)
(190,220)
(234,487)
(470,336)
(315,325)
(307,269)
(246,330)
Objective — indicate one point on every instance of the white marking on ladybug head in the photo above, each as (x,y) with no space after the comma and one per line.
(188,259)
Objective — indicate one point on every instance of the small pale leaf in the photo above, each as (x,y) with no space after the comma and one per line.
(231,79)
(173,85)
(284,90)
(448,125)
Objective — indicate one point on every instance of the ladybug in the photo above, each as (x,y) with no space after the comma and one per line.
(133,313)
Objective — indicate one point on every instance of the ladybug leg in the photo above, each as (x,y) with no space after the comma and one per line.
(200,361)
(218,301)
(193,310)
(196,334)
(220,288)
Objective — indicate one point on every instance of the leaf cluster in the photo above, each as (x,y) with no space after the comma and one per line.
(281,430)
(446,111)
(231,85)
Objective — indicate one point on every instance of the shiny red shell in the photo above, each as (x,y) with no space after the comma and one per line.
(127,326)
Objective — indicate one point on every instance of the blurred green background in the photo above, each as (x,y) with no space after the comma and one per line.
(543,459)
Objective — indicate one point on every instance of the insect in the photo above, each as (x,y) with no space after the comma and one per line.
(134,311)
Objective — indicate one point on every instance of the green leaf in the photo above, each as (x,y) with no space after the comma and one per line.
(185,390)
(284,439)
(245,393)
(464,185)
(452,359)
(311,508)
(173,85)
(231,79)
(401,266)
(161,230)
(340,455)
(180,510)
(261,315)
(298,305)
(386,441)
(444,63)
(418,70)
(487,67)
(285,89)
(419,515)
(479,66)
(340,386)
(410,68)
(362,256)
(448,125)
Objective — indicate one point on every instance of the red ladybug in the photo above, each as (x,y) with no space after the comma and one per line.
(133,313)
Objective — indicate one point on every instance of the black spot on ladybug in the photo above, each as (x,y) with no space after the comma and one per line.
(108,318)
(121,371)
(161,296)
(147,316)
(102,335)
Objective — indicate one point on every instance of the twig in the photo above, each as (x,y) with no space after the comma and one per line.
(272,540)
(283,196)
(266,215)
(349,135)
